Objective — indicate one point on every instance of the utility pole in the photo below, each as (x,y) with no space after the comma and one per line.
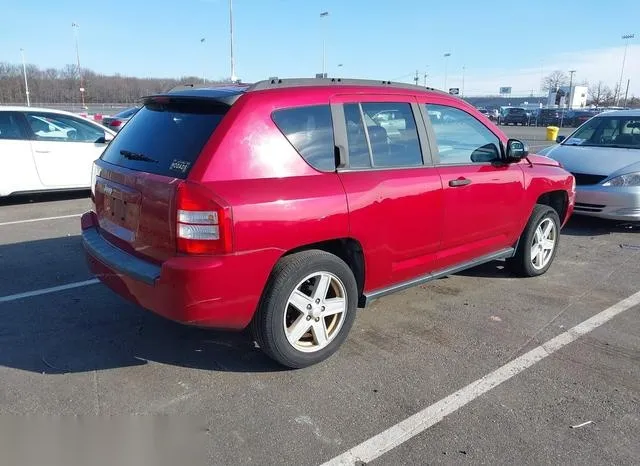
(626,93)
(425,79)
(26,84)
(416,79)
(463,69)
(571,72)
(626,38)
(204,79)
(324,14)
(446,55)
(233,66)
(75,27)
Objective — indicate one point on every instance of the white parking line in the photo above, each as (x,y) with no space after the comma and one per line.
(31,220)
(29,294)
(396,435)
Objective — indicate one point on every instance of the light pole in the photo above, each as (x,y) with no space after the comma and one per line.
(233,66)
(626,38)
(463,69)
(75,27)
(204,79)
(26,84)
(324,14)
(571,73)
(446,55)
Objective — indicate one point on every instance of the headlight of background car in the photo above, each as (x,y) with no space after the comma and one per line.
(631,179)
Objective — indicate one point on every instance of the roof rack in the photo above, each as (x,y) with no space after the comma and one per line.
(277,83)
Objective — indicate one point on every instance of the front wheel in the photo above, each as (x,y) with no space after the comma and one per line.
(307,310)
(538,244)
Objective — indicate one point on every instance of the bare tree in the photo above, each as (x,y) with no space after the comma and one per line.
(599,93)
(554,80)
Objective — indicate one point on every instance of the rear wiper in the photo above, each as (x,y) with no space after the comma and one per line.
(136,156)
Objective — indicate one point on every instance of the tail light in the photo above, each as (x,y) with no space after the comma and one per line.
(203,221)
(115,123)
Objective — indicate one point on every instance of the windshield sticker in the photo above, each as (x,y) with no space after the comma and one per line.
(180,166)
(577,141)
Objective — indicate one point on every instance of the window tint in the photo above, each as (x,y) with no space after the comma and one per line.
(359,156)
(310,131)
(171,134)
(54,127)
(10,127)
(391,129)
(462,139)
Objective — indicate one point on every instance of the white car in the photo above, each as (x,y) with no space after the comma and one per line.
(43,150)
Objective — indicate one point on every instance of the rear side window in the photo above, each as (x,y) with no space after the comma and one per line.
(165,139)
(10,126)
(382,135)
(310,132)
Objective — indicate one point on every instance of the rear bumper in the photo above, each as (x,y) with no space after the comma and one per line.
(220,292)
(621,204)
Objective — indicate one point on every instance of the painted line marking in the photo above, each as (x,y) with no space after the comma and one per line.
(54,289)
(31,220)
(398,434)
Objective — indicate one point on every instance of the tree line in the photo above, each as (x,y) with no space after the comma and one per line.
(52,85)
(599,94)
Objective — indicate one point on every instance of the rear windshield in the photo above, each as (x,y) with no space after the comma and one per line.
(516,111)
(165,139)
(126,113)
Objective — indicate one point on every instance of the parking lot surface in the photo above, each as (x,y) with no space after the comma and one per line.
(83,350)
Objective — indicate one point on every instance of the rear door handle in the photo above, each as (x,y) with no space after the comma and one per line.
(459,182)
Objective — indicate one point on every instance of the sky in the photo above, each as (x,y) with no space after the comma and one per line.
(498,43)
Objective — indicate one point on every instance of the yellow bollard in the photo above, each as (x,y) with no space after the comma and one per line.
(552,133)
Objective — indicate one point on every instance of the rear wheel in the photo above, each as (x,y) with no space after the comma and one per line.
(538,244)
(307,310)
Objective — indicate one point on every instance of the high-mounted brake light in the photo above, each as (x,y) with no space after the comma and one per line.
(115,123)
(203,221)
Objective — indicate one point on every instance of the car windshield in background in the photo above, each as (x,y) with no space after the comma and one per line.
(516,111)
(165,139)
(608,132)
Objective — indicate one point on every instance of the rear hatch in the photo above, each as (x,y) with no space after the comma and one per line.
(136,178)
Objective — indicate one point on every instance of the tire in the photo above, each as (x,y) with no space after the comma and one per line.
(522,263)
(299,273)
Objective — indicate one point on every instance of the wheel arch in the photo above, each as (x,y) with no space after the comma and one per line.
(558,200)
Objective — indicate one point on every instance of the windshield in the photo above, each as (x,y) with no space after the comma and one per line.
(610,131)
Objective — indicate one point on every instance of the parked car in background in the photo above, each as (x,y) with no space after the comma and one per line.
(117,121)
(549,117)
(287,204)
(577,117)
(513,116)
(44,150)
(532,116)
(604,156)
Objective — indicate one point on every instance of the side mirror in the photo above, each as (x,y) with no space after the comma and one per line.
(559,139)
(107,138)
(516,150)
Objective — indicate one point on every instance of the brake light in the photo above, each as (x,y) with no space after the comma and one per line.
(115,123)
(203,221)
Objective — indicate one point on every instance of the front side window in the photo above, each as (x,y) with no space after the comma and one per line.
(63,128)
(610,131)
(10,127)
(461,139)
(310,132)
(382,135)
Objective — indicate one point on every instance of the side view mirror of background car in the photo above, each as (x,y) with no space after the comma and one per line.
(104,139)
(516,150)
(559,139)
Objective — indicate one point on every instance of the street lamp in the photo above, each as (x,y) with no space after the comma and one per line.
(446,55)
(233,66)
(324,14)
(75,27)
(26,84)
(463,70)
(204,79)
(626,38)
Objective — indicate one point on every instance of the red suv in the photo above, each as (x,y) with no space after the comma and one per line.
(287,204)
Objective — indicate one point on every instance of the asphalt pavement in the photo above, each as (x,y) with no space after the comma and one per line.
(85,351)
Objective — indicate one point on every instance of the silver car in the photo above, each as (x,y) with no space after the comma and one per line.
(604,156)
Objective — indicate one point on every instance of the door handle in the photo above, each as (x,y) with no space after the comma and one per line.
(459,182)
(40,151)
